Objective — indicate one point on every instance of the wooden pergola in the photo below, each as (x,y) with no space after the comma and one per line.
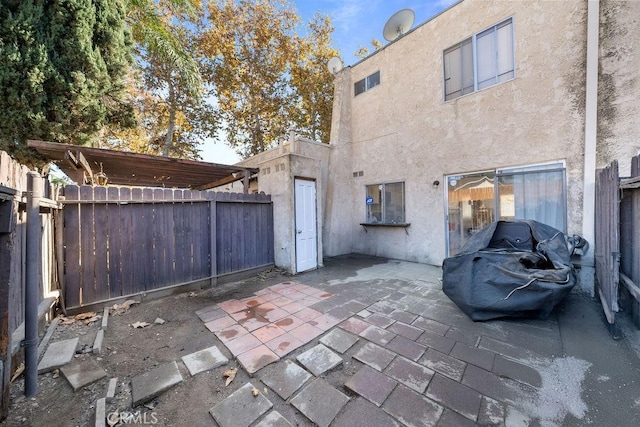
(97,166)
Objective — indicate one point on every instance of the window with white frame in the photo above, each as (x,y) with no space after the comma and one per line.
(484,59)
(385,203)
(367,83)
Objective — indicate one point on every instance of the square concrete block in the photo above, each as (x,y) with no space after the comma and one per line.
(286,379)
(82,373)
(363,413)
(58,354)
(241,408)
(319,359)
(274,419)
(414,376)
(371,384)
(446,365)
(412,409)
(257,358)
(378,335)
(339,340)
(204,360)
(374,356)
(284,344)
(320,402)
(149,385)
(455,396)
(407,348)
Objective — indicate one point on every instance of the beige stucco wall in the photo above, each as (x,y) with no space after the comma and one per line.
(402,130)
(279,167)
(619,84)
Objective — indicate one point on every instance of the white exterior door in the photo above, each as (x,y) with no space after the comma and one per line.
(306,225)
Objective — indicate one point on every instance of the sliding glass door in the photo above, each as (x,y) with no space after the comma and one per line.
(533,192)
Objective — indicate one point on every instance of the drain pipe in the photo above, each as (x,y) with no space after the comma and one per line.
(587,272)
(32,286)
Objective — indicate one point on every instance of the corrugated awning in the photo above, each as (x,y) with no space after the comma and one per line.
(88,165)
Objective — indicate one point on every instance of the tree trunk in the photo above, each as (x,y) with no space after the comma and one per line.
(168,139)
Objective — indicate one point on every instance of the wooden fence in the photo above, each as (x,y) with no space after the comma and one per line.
(122,241)
(617,241)
(607,239)
(630,241)
(13,261)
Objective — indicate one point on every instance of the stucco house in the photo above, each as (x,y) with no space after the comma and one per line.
(490,110)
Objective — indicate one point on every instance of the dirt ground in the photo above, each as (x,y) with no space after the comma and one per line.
(128,352)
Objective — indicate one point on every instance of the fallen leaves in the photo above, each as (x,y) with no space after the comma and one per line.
(86,318)
(140,325)
(230,374)
(119,309)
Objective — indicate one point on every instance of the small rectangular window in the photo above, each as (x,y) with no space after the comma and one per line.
(485,59)
(367,83)
(385,203)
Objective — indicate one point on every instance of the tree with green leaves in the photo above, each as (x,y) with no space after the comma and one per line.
(258,66)
(62,71)
(173,115)
(312,82)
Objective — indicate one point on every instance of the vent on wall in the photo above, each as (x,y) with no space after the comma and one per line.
(357,174)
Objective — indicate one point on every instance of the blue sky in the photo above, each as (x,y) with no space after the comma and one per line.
(356,23)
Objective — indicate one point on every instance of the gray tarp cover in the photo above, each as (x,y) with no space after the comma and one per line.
(510,269)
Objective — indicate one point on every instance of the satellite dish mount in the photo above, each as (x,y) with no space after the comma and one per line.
(334,65)
(398,24)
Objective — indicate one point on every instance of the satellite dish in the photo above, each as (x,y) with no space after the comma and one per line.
(334,65)
(398,24)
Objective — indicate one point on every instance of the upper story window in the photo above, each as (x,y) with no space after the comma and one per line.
(482,60)
(367,83)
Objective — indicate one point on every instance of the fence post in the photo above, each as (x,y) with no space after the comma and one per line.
(8,218)
(32,286)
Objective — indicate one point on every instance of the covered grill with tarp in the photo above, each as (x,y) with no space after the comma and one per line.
(510,269)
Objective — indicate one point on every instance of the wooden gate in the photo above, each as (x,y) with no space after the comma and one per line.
(123,241)
(607,238)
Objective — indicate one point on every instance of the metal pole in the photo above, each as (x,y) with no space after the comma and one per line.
(32,291)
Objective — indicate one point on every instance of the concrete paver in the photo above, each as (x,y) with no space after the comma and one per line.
(288,323)
(147,386)
(82,373)
(204,360)
(58,354)
(319,359)
(241,408)
(306,332)
(354,325)
(374,356)
(286,378)
(284,344)
(430,325)
(491,412)
(411,408)
(377,335)
(371,384)
(220,323)
(210,313)
(409,373)
(455,396)
(324,322)
(363,413)
(268,332)
(274,419)
(406,347)
(242,344)
(380,320)
(407,331)
(516,371)
(257,358)
(339,340)
(446,365)
(493,373)
(320,402)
